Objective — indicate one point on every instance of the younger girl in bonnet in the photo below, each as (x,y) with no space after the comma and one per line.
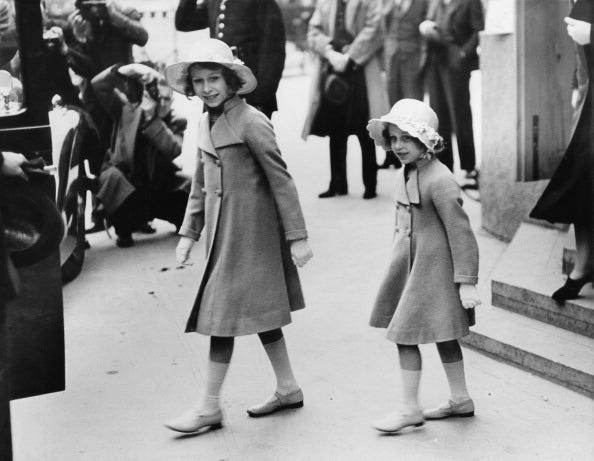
(428,294)
(245,200)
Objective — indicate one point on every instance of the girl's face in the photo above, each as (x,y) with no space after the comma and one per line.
(209,86)
(407,148)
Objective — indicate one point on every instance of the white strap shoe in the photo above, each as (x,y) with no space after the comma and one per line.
(277,402)
(397,421)
(192,421)
(450,409)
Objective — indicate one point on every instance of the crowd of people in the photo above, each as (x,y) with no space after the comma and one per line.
(252,220)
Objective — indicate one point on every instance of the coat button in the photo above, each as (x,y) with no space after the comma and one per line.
(223,6)
(203,190)
(220,35)
(408,233)
(201,159)
(221,25)
(218,163)
(218,192)
(222,16)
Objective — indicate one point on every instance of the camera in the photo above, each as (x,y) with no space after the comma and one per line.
(92,9)
(133,88)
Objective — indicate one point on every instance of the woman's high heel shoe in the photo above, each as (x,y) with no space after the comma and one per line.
(571,289)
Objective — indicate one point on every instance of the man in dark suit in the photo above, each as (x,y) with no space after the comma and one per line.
(452,32)
(254,27)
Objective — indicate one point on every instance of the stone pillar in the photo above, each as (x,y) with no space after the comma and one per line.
(527,62)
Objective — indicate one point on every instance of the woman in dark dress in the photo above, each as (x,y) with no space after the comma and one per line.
(568,197)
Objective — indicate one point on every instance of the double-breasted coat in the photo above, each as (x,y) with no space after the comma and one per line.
(245,200)
(434,251)
(363,22)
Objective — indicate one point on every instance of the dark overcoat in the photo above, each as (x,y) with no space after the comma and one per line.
(434,251)
(246,201)
(255,28)
(363,22)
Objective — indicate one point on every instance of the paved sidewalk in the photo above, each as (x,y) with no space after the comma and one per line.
(130,366)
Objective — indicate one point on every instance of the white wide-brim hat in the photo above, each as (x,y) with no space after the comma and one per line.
(213,51)
(410,115)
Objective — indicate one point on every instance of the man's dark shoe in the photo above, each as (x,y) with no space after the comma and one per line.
(125,241)
(369,194)
(331,193)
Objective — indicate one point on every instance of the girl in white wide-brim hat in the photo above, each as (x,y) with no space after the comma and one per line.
(244,198)
(428,294)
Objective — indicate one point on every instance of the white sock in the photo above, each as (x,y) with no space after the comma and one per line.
(410,389)
(455,373)
(279,359)
(215,377)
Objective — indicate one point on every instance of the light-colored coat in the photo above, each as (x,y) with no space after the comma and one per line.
(434,251)
(244,197)
(363,21)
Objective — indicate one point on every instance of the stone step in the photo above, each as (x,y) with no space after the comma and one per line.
(553,353)
(534,300)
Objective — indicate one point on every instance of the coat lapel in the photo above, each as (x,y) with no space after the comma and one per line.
(432,10)
(223,134)
(453,6)
(407,192)
(405,6)
(350,15)
(205,143)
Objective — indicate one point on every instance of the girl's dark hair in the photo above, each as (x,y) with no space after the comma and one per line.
(231,78)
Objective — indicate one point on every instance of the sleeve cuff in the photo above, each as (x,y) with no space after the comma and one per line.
(187,232)
(153,128)
(298,234)
(468,279)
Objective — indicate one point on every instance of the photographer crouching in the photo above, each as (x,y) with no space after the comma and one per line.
(139,181)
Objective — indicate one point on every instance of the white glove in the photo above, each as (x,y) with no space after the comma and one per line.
(301,252)
(338,61)
(184,247)
(579,31)
(469,296)
(428,29)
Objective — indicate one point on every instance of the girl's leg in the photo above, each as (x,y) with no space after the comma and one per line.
(459,403)
(221,350)
(450,353)
(409,414)
(208,412)
(276,349)
(288,393)
(410,370)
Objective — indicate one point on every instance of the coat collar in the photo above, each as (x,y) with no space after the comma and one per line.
(222,133)
(407,192)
